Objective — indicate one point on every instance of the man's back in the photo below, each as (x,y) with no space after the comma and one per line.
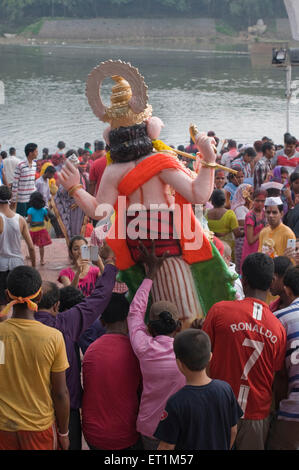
(248,345)
(29,352)
(111,380)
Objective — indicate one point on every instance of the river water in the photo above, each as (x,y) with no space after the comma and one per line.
(222,91)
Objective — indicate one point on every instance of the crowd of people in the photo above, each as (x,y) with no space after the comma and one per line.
(101,372)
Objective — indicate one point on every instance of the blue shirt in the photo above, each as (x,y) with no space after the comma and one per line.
(200,417)
(37,215)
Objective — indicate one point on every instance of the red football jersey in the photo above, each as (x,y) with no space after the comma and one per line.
(248,345)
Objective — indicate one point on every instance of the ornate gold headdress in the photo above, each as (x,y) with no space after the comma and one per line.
(129,95)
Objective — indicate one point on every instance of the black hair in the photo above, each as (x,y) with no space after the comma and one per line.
(286,135)
(283,170)
(30,148)
(61,145)
(50,170)
(5,193)
(36,200)
(24,281)
(267,146)
(294,177)
(218,198)
(193,348)
(69,296)
(45,151)
(165,325)
(87,145)
(70,152)
(81,151)
(250,152)
(117,309)
(290,140)
(281,264)
(51,295)
(181,147)
(3,154)
(291,279)
(258,269)
(231,144)
(12,151)
(99,145)
(129,143)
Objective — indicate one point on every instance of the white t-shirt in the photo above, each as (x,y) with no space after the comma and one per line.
(9,165)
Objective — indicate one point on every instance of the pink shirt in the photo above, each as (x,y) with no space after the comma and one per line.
(87,283)
(161,376)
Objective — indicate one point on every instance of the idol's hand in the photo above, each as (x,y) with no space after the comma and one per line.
(69,176)
(206,146)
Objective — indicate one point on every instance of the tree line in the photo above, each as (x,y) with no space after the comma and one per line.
(236,12)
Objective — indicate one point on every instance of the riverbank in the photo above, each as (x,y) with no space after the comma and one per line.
(173,33)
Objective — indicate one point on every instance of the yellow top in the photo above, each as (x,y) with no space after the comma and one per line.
(226,224)
(274,242)
(29,352)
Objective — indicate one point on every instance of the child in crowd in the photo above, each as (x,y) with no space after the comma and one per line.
(203,414)
(36,216)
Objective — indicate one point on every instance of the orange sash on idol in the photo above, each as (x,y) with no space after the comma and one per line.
(143,172)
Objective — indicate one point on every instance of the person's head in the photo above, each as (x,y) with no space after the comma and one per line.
(12,151)
(284,175)
(99,145)
(24,282)
(291,282)
(286,135)
(257,273)
(61,145)
(294,182)
(69,296)
(36,200)
(49,172)
(192,350)
(281,265)
(31,151)
(87,145)
(71,152)
(75,247)
(274,211)
(85,156)
(259,198)
(181,148)
(258,145)
(218,198)
(227,254)
(290,144)
(3,154)
(268,150)
(219,179)
(238,178)
(50,297)
(249,154)
(231,144)
(266,139)
(45,153)
(5,194)
(163,319)
(116,311)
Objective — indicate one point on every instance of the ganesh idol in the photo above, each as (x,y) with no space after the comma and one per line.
(153,196)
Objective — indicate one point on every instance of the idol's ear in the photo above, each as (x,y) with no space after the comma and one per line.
(106,135)
(154,126)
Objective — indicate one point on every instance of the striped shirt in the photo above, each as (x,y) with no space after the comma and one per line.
(24,181)
(289,317)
